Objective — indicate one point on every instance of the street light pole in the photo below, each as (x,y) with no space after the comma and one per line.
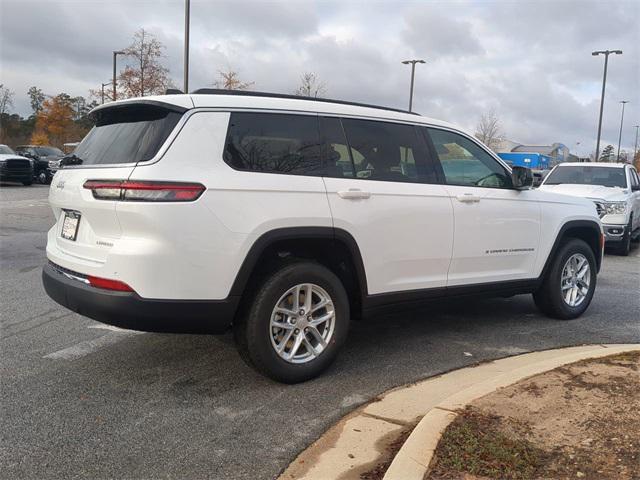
(635,148)
(413,73)
(606,54)
(623,102)
(115,54)
(187,14)
(104,85)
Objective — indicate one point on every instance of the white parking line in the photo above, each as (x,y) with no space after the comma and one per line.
(90,346)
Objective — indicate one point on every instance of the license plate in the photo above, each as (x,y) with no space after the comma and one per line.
(70,225)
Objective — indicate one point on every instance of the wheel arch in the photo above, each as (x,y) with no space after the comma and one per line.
(586,230)
(332,247)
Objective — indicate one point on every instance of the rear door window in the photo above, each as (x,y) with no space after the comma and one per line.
(386,151)
(274,143)
(126,134)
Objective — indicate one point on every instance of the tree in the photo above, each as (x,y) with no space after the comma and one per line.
(488,129)
(36,98)
(607,154)
(146,76)
(230,80)
(311,86)
(55,120)
(636,160)
(6,101)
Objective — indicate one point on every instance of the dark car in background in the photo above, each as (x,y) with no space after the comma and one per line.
(41,156)
(14,168)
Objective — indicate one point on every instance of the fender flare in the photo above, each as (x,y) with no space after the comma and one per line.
(590,224)
(267,239)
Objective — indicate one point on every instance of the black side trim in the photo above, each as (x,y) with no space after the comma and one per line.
(417,297)
(129,310)
(247,93)
(297,233)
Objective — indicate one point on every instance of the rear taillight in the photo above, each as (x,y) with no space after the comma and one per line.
(144,191)
(109,284)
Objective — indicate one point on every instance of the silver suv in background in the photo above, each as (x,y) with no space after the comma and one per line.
(615,190)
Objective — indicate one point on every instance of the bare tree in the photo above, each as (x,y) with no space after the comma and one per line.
(230,80)
(6,99)
(146,76)
(488,129)
(311,86)
(36,98)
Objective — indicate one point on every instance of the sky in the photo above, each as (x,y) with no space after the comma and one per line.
(529,61)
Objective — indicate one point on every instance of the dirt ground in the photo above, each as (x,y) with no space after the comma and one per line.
(577,421)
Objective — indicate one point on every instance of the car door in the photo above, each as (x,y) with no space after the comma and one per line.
(383,191)
(497,228)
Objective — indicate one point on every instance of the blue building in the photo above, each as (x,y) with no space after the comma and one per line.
(534,160)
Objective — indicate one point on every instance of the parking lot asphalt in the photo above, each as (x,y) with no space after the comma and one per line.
(80,400)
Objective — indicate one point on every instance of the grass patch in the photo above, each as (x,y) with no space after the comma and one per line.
(474,443)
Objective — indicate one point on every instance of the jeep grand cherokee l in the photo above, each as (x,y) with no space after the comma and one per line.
(284,217)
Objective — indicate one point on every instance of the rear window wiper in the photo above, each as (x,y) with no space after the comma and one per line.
(72,159)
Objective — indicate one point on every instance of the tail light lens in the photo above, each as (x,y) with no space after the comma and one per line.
(144,191)
(109,284)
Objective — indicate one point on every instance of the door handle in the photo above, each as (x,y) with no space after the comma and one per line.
(353,193)
(468,198)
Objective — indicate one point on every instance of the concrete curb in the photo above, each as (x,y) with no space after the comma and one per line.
(360,440)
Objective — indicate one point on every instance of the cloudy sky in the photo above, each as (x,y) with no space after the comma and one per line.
(529,60)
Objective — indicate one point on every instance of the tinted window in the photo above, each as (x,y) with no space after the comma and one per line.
(274,143)
(5,150)
(385,151)
(463,162)
(587,175)
(48,151)
(635,180)
(132,133)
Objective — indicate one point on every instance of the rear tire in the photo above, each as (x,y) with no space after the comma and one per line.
(286,353)
(554,297)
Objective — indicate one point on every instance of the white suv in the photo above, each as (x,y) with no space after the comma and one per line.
(284,217)
(613,187)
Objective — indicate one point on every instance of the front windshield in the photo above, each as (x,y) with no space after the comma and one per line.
(47,151)
(587,175)
(6,150)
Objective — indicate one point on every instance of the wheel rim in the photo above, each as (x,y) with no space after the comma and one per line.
(302,323)
(576,278)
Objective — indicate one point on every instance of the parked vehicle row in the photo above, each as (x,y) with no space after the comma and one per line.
(14,167)
(284,217)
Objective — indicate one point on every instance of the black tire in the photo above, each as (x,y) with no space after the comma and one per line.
(27,183)
(548,297)
(42,178)
(252,330)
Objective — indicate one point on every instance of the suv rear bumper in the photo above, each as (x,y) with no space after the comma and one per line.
(129,310)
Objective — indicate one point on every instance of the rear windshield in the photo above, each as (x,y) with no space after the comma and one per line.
(126,134)
(605,176)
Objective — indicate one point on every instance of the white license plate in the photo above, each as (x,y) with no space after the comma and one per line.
(70,225)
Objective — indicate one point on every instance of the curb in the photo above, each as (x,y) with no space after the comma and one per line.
(360,440)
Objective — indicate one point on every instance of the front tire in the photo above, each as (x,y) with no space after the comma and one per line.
(625,245)
(569,285)
(296,323)
(27,183)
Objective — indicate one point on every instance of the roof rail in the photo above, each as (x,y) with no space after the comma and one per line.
(248,93)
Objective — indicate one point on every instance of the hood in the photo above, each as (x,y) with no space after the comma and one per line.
(595,192)
(12,156)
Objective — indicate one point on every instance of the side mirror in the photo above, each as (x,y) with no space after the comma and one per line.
(521,177)
(635,188)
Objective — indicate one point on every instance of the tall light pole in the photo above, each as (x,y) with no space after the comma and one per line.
(102,96)
(115,54)
(606,54)
(413,74)
(187,13)
(635,147)
(623,102)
